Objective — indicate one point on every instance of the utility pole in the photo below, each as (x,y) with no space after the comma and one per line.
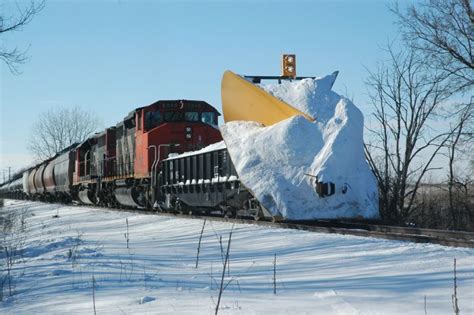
(9,169)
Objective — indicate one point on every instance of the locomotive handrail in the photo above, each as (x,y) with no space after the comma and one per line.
(117,169)
(153,164)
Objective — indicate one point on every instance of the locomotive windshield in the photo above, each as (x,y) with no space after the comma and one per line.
(191,116)
(154,119)
(173,116)
(209,118)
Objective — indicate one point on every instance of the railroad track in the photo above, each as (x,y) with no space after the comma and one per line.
(409,234)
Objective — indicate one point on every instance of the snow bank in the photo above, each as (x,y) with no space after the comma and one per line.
(274,161)
(317,273)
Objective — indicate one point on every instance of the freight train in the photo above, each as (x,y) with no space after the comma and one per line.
(171,156)
(139,163)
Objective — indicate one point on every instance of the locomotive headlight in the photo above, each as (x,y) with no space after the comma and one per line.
(189,131)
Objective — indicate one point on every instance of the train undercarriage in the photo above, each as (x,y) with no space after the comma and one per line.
(225,198)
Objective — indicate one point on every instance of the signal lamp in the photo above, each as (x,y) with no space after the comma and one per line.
(288,66)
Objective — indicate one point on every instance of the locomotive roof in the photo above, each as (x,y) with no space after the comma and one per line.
(131,114)
(182,102)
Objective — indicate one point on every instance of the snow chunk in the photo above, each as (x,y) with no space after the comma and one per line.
(274,161)
(211,147)
(311,96)
(60,272)
(146,299)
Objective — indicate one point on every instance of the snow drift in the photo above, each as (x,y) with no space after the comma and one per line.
(280,163)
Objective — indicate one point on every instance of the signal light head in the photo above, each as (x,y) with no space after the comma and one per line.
(288,65)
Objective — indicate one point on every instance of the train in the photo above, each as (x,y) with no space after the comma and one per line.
(171,156)
(167,156)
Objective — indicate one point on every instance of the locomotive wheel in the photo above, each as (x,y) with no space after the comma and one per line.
(181,208)
(258,215)
(226,214)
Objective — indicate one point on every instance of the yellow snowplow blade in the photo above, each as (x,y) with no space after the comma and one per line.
(242,100)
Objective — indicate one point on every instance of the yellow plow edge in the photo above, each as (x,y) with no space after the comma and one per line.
(242,100)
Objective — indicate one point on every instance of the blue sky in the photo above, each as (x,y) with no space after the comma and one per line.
(112,56)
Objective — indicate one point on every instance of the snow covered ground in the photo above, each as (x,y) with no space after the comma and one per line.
(315,273)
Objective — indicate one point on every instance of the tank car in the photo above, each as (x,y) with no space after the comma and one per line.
(51,180)
(12,189)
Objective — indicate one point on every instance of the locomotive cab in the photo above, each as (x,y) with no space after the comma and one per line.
(173,126)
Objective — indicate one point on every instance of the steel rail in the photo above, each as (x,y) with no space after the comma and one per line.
(400,233)
(410,234)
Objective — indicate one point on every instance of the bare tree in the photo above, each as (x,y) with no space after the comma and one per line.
(443,31)
(57,129)
(13,57)
(459,141)
(406,95)
(459,144)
